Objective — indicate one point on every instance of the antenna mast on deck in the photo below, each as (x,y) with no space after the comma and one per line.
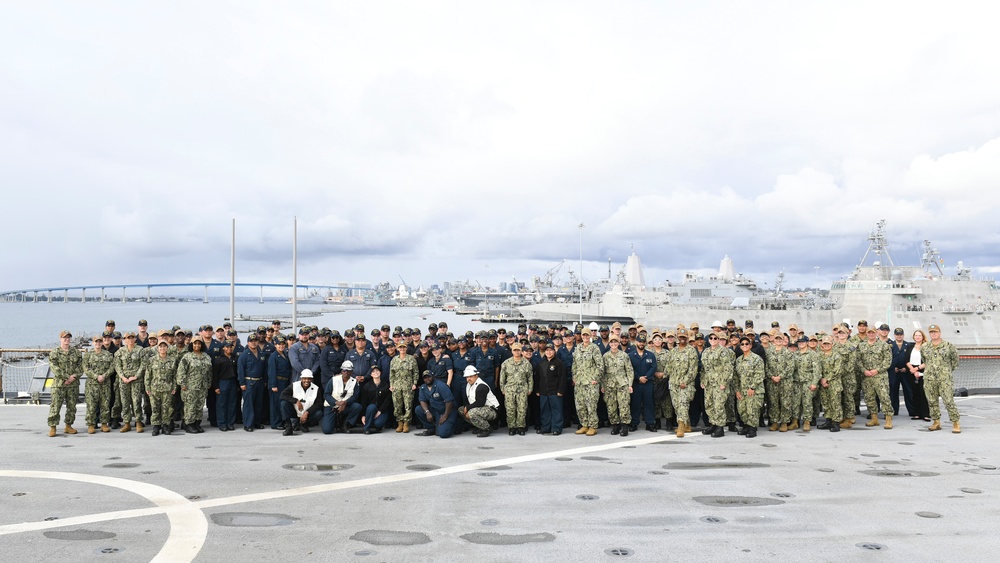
(879,245)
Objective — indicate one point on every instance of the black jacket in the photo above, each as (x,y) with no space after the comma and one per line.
(379,395)
(550,377)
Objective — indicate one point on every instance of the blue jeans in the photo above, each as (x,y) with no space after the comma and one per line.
(332,418)
(372,421)
(551,410)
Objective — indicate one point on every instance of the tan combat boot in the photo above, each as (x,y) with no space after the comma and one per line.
(846,423)
(399,427)
(126,427)
(936,425)
(794,425)
(680,430)
(406,428)
(888,421)
(687,426)
(52,431)
(591,431)
(805,426)
(69,429)
(105,428)
(955,428)
(90,430)
(138,427)
(773,427)
(582,430)
(873,421)
(783,427)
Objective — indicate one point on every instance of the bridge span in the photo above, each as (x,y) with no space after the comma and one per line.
(79,293)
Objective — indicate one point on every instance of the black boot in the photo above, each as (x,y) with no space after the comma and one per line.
(616,429)
(651,428)
(834,427)
(168,428)
(198,428)
(732,427)
(826,425)
(744,429)
(624,430)
(709,430)
(657,425)
(188,429)
(156,430)
(718,432)
(288,431)
(752,432)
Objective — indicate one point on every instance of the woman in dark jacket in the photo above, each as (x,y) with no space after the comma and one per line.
(376,402)
(915,363)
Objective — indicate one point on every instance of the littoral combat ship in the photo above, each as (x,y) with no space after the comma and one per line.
(911,297)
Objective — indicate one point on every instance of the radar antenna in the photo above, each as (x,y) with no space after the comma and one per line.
(878,244)
(931,257)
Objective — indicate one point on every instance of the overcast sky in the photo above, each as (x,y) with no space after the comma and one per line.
(430,140)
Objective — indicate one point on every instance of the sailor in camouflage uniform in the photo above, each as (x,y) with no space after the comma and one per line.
(874,359)
(941,359)
(806,383)
(99,367)
(160,376)
(749,387)
(661,385)
(682,368)
(832,371)
(128,360)
(66,364)
(516,381)
(849,382)
(403,374)
(194,374)
(616,382)
(780,368)
(717,380)
(588,367)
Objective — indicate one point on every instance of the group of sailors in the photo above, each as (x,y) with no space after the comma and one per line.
(549,377)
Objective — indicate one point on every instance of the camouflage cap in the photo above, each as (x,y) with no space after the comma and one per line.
(109,322)
(116,334)
(142,322)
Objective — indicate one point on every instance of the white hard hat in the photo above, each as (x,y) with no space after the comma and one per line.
(306,373)
(717,324)
(592,326)
(470,371)
(348,365)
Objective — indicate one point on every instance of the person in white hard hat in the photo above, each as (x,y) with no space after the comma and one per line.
(480,407)
(300,404)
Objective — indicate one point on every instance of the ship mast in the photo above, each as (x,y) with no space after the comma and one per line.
(930,256)
(879,245)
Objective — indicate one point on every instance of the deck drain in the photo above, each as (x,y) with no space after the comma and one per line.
(564,459)
(869,455)
(78,535)
(928,514)
(422,467)
(490,522)
(717,465)
(487,474)
(872,546)
(782,495)
(737,501)
(897,473)
(825,470)
(19,494)
(769,445)
(252,519)
(391,537)
(594,458)
(365,552)
(389,499)
(114,458)
(121,465)
(717,457)
(971,491)
(587,497)
(109,550)
(317,466)
(619,551)
(254,459)
(988,467)
(713,520)
(492,538)
(659,472)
